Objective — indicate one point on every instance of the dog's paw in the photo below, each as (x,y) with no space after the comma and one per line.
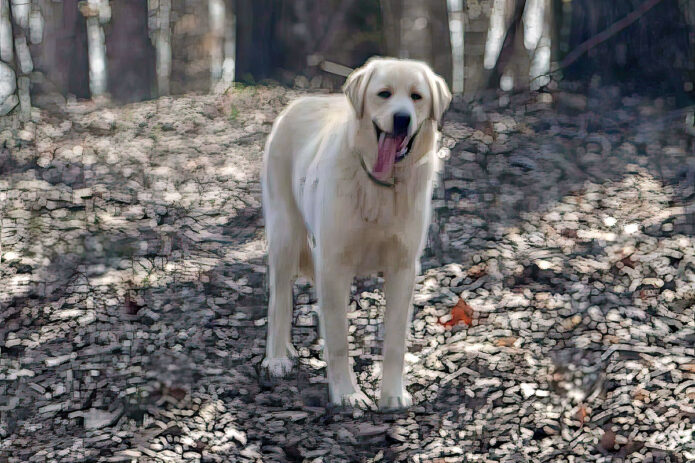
(356,399)
(278,367)
(396,402)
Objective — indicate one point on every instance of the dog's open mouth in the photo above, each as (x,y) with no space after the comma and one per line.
(391,149)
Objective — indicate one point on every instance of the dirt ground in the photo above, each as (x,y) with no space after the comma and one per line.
(132,297)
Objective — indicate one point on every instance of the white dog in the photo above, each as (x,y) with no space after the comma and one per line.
(347,182)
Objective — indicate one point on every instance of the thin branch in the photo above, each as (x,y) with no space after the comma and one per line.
(606,34)
(599,38)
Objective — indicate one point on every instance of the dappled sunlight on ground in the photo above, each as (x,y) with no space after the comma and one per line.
(133,306)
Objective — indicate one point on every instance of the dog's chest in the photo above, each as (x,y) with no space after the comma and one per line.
(383,227)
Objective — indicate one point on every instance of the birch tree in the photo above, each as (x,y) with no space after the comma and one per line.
(97,13)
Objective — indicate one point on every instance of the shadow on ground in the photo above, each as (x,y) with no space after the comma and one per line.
(134,319)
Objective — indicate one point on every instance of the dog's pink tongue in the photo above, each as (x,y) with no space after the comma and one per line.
(386,156)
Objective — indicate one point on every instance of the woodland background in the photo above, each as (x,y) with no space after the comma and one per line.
(554,319)
(131,50)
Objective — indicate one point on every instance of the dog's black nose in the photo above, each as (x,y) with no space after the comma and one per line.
(401,121)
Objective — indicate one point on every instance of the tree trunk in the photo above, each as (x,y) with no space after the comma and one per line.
(456,30)
(650,55)
(258,51)
(511,46)
(130,53)
(8,69)
(477,16)
(419,30)
(6,39)
(229,63)
(23,64)
(161,31)
(96,13)
(218,20)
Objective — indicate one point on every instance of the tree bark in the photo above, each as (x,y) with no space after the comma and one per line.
(93,11)
(418,30)
(22,66)
(130,53)
(163,47)
(513,39)
(456,31)
(474,40)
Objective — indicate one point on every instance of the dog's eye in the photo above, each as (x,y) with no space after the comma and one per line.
(384,94)
(415,96)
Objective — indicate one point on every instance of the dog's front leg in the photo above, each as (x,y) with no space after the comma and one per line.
(333,288)
(398,289)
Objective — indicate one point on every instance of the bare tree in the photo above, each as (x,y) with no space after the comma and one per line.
(475,38)
(419,30)
(97,13)
(160,27)
(23,64)
(511,45)
(130,52)
(8,75)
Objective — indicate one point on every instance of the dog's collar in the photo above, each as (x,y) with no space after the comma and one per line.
(398,159)
(372,177)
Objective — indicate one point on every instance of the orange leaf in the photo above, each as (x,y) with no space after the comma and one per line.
(461,312)
(582,414)
(507,341)
(477,271)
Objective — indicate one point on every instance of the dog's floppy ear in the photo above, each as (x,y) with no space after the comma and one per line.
(441,96)
(356,86)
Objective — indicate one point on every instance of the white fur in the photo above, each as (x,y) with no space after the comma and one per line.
(327,220)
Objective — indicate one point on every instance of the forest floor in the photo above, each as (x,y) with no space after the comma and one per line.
(133,297)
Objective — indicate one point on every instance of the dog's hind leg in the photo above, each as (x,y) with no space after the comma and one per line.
(285,233)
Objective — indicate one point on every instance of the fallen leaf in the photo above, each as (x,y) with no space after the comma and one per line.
(582,414)
(627,262)
(640,394)
(477,271)
(569,233)
(461,312)
(176,392)
(489,130)
(131,305)
(608,441)
(632,446)
(506,341)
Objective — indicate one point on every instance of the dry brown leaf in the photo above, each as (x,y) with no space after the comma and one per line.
(640,394)
(582,414)
(477,271)
(131,305)
(608,441)
(506,341)
(460,313)
(569,233)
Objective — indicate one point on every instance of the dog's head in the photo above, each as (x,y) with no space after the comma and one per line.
(396,98)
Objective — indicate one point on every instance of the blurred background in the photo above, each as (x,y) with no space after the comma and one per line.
(52,51)
(555,317)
